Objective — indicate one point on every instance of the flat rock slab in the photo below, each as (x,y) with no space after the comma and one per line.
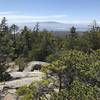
(25,78)
(21,82)
(17,75)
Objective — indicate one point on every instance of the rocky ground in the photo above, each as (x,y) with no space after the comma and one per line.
(29,75)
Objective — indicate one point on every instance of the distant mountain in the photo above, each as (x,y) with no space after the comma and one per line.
(55,26)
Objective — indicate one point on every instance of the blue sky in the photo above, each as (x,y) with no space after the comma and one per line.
(66,11)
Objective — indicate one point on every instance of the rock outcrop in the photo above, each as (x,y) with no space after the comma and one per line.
(8,88)
(19,79)
(22,81)
(33,66)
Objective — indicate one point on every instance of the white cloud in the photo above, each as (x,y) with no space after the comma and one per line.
(16,17)
(6,13)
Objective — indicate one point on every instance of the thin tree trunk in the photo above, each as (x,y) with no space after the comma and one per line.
(60,82)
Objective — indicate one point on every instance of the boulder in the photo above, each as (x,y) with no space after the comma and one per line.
(35,65)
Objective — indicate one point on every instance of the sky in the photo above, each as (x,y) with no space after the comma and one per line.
(66,11)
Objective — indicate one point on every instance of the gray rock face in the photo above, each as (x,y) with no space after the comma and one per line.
(19,79)
(30,66)
(21,82)
(25,79)
(17,75)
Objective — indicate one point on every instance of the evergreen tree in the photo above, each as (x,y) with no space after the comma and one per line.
(5,49)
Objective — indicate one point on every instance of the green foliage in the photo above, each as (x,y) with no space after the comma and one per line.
(51,58)
(82,91)
(26,92)
(42,46)
(59,96)
(34,91)
(78,73)
(21,63)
